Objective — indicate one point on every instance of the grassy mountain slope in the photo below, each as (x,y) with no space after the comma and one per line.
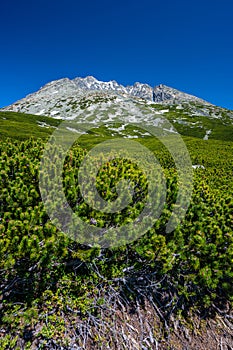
(21,126)
(190,119)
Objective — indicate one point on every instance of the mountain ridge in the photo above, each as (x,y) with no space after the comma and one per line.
(78,87)
(92,101)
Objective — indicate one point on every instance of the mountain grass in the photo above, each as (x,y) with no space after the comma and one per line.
(189,124)
(22,126)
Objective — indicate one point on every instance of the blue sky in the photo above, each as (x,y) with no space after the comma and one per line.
(184,44)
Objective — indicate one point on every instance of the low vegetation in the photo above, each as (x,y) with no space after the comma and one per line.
(56,292)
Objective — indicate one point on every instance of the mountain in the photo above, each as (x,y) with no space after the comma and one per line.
(93,101)
(64,92)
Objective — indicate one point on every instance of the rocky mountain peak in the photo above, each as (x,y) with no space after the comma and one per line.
(64,96)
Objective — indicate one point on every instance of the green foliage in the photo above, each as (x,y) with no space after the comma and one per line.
(41,269)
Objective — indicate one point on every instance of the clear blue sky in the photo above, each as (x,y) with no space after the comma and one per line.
(184,44)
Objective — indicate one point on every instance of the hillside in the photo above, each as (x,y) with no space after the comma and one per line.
(91,101)
(159,290)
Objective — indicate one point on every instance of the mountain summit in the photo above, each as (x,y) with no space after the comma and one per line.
(60,95)
(159,93)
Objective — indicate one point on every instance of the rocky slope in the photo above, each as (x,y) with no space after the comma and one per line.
(62,93)
(92,101)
